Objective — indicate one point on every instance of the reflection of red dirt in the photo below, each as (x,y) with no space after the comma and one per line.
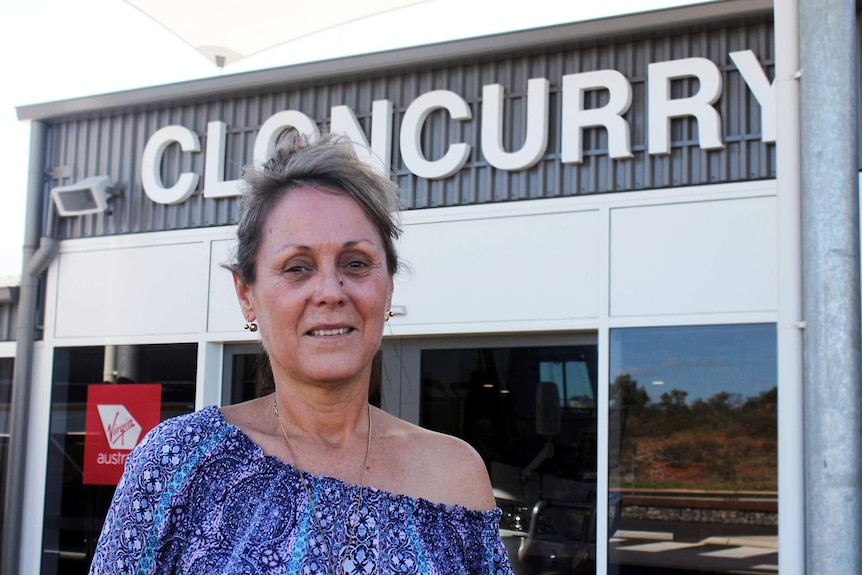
(697,459)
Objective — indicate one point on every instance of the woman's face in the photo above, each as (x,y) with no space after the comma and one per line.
(322,288)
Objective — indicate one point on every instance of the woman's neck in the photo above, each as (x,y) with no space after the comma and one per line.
(336,416)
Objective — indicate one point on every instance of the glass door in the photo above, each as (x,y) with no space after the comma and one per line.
(242,376)
(247,375)
(528,405)
(93,389)
(7,366)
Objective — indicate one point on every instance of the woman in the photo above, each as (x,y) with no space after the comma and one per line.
(311,478)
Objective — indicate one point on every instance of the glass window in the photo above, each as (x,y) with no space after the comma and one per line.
(75,511)
(7,366)
(247,375)
(530,412)
(693,456)
(242,376)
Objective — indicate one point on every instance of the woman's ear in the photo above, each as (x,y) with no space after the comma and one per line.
(391,292)
(245,295)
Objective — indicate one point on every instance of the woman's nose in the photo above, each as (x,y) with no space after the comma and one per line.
(331,287)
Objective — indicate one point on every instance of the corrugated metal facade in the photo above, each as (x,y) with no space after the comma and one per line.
(8,321)
(113,144)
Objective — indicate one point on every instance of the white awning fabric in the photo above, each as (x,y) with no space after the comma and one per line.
(226,31)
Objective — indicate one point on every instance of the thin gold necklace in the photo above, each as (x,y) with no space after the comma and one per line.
(302,476)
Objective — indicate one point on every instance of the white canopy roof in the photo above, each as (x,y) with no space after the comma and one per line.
(228,30)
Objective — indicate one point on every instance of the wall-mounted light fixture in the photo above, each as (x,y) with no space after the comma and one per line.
(88,196)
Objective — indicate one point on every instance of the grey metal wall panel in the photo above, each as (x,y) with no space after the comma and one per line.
(8,321)
(114,144)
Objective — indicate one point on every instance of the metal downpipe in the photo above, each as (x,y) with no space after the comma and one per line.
(791,463)
(35,261)
(830,248)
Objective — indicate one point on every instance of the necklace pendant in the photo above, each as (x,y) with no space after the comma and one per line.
(355,556)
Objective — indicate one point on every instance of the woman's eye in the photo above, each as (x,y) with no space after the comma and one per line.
(296,269)
(358,266)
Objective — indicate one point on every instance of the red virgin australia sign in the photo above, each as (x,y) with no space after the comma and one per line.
(118,417)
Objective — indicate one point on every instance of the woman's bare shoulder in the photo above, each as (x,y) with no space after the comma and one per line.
(256,420)
(438,467)
(248,414)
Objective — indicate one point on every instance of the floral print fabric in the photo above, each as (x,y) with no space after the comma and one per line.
(199,497)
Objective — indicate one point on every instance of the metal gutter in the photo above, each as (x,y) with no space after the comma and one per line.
(394,60)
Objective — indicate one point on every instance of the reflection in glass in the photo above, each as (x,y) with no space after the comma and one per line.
(693,449)
(74,512)
(7,366)
(530,412)
(249,376)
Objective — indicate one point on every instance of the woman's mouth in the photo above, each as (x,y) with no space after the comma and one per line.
(325,332)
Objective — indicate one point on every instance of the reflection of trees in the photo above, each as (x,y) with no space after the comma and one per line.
(723,442)
(625,392)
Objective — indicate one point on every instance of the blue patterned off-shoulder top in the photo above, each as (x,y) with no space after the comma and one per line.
(199,497)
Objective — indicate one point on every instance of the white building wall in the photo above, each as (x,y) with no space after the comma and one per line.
(498,272)
(129,290)
(666,257)
(515,267)
(8,348)
(693,258)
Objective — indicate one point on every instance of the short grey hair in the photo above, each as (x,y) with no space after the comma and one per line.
(329,163)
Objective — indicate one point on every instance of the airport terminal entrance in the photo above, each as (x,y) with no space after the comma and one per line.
(528,405)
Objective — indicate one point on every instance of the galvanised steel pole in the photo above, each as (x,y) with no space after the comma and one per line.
(830,285)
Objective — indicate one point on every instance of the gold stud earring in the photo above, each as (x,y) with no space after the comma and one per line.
(388,314)
(251,326)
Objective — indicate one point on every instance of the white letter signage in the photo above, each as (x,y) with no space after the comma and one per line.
(662,108)
(264,143)
(528,134)
(151,165)
(752,72)
(379,154)
(411,135)
(609,116)
(214,184)
(536,140)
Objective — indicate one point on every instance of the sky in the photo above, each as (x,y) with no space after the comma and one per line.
(56,50)
(699,360)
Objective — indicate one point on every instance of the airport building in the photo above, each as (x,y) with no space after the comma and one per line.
(593,239)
